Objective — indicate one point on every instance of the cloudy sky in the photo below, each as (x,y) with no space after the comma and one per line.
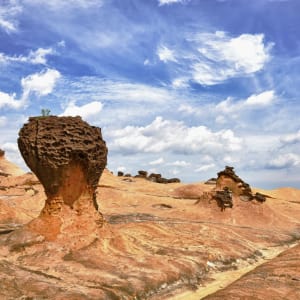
(181,87)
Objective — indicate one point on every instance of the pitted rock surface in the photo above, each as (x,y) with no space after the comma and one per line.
(49,145)
(68,156)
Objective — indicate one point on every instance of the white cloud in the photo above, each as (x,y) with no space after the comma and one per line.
(34,57)
(221,57)
(166,135)
(39,56)
(40,83)
(255,101)
(179,163)
(180,82)
(205,168)
(284,161)
(85,111)
(8,13)
(260,100)
(121,169)
(167,2)
(158,161)
(10,147)
(291,138)
(3,119)
(146,62)
(71,4)
(108,90)
(11,101)
(186,108)
(165,54)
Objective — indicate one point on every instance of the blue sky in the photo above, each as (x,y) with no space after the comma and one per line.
(181,87)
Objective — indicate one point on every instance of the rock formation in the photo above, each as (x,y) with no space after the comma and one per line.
(68,156)
(229,187)
(227,178)
(7,168)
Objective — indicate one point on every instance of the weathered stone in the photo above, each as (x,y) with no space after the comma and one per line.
(211,181)
(228,178)
(224,198)
(68,156)
(173,180)
(143,173)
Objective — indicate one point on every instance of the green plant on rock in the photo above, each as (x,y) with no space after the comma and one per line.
(45,112)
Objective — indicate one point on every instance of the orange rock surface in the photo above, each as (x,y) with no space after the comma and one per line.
(155,242)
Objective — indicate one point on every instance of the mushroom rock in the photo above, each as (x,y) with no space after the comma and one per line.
(68,156)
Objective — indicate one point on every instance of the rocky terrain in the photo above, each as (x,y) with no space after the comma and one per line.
(66,234)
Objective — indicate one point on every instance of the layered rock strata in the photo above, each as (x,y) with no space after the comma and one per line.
(68,156)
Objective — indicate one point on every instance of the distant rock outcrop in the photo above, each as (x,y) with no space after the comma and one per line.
(154,177)
(227,178)
(68,156)
(7,168)
(229,186)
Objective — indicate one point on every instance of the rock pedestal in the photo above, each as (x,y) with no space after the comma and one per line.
(68,156)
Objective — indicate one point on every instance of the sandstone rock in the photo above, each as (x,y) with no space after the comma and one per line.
(143,173)
(173,180)
(7,168)
(260,197)
(211,181)
(224,198)
(228,178)
(68,156)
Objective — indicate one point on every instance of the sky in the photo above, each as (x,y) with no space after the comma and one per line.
(178,87)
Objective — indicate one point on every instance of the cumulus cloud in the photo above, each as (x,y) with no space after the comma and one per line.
(9,100)
(158,161)
(85,111)
(165,54)
(39,83)
(34,57)
(255,101)
(285,160)
(222,57)
(166,135)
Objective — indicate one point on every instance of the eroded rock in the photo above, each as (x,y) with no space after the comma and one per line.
(228,179)
(68,156)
